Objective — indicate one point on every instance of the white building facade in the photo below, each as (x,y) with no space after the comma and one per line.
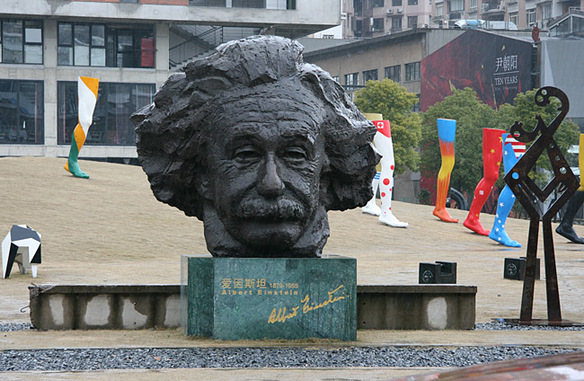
(127,44)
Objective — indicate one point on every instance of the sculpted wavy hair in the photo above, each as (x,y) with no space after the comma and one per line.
(171,132)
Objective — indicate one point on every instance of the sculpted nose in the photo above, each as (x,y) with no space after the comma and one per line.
(271,185)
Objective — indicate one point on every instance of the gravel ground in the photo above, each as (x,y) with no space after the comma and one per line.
(83,359)
(285,357)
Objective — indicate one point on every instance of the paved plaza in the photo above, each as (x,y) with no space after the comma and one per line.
(111,230)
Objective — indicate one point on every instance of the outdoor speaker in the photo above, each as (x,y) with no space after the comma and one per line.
(515,268)
(438,272)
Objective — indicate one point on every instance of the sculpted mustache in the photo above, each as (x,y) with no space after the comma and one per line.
(280,209)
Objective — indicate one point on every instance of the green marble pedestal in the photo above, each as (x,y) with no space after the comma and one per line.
(269,298)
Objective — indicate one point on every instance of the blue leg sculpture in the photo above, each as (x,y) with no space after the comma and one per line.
(506,199)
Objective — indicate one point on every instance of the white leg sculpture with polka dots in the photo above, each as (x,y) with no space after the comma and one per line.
(384,145)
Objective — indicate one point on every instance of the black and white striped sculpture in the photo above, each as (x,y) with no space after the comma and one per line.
(23,246)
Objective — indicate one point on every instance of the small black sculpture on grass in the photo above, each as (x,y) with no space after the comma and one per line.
(532,198)
(258,145)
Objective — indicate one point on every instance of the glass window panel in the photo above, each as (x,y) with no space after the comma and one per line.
(248,4)
(12,42)
(396,23)
(393,73)
(125,49)
(81,56)
(413,71)
(412,21)
(456,5)
(65,34)
(67,111)
(8,114)
(369,75)
(64,56)
(21,112)
(378,25)
(98,35)
(33,54)
(97,57)
(81,35)
(34,36)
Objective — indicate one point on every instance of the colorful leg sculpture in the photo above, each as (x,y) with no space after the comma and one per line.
(87,92)
(512,151)
(371,207)
(446,135)
(566,226)
(492,154)
(384,145)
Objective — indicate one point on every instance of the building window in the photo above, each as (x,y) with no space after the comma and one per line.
(352,79)
(396,3)
(412,22)
(514,18)
(248,3)
(378,25)
(412,2)
(208,3)
(439,10)
(530,17)
(412,71)
(546,11)
(393,73)
(378,3)
(21,41)
(111,118)
(98,45)
(396,24)
(369,75)
(22,112)
(456,5)
(358,28)
(473,5)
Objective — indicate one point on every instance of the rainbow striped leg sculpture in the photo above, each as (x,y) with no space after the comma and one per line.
(87,92)
(512,151)
(566,226)
(446,135)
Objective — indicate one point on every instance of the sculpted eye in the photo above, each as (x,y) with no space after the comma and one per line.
(295,155)
(246,155)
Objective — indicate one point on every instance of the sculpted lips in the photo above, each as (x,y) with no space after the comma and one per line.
(281,209)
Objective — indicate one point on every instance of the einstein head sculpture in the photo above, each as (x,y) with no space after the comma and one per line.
(258,145)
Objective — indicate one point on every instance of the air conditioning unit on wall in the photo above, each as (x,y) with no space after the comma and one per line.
(400,10)
(390,11)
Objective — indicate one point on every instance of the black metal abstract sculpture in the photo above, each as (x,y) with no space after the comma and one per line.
(258,145)
(532,198)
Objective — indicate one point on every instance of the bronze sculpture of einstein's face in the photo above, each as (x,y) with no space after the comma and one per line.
(259,146)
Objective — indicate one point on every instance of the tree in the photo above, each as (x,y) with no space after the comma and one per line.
(395,104)
(524,109)
(471,117)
